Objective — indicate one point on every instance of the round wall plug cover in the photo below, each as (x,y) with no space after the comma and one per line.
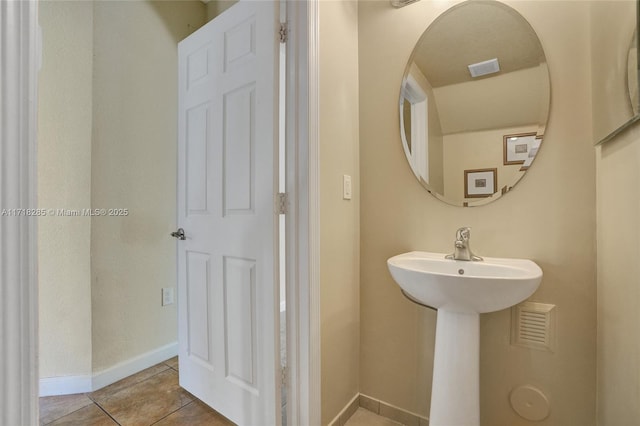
(530,403)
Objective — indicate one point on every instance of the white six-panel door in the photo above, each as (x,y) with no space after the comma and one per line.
(227,169)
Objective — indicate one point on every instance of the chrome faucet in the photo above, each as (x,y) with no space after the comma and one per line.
(462,250)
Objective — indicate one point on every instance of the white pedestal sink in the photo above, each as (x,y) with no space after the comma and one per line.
(461,291)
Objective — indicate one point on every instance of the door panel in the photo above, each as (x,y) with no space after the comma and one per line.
(196,158)
(227,179)
(240,321)
(198,307)
(239,150)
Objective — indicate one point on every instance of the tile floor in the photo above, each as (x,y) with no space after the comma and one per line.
(363,417)
(150,397)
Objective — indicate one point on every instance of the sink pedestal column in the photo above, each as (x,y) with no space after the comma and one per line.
(455,393)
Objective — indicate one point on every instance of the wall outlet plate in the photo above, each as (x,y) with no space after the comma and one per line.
(168,296)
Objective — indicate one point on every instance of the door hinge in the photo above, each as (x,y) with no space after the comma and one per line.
(283,375)
(283,32)
(281,201)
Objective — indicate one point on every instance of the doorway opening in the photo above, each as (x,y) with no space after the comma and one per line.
(303,301)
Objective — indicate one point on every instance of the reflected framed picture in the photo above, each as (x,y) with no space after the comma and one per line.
(519,147)
(480,183)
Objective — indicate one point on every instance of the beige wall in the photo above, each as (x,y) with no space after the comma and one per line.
(339,219)
(618,229)
(549,218)
(513,99)
(134,167)
(216,7)
(618,289)
(107,134)
(64,182)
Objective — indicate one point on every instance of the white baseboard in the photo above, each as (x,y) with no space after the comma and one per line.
(66,385)
(131,366)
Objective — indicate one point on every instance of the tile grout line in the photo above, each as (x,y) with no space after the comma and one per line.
(126,388)
(88,405)
(130,385)
(175,411)
(107,413)
(103,409)
(71,412)
(170,366)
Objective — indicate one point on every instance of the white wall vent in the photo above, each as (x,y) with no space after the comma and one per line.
(483,68)
(533,325)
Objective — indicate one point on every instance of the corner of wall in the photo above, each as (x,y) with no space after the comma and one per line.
(339,217)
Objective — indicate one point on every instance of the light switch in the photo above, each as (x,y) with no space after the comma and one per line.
(346,187)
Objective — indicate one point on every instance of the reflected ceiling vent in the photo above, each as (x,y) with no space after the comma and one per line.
(483,68)
(402,3)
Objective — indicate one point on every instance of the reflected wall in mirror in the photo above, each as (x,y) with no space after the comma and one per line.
(632,73)
(614,42)
(477,77)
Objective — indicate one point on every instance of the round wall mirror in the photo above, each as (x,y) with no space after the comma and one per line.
(474,103)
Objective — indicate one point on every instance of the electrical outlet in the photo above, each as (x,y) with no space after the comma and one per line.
(167,296)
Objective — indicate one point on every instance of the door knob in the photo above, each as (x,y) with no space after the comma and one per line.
(179,234)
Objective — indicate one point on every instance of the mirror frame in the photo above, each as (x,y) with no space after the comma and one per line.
(636,117)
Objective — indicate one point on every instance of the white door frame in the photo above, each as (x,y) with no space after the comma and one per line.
(418,155)
(303,220)
(19,64)
(18,250)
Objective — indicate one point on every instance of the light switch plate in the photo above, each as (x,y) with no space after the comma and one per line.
(168,297)
(346,187)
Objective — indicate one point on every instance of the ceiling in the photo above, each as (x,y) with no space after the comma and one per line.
(474,33)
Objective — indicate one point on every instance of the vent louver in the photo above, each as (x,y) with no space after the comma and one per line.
(484,68)
(533,325)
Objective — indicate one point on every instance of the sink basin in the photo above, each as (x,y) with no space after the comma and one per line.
(461,291)
(464,286)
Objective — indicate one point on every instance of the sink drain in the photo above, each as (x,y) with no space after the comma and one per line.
(461,271)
